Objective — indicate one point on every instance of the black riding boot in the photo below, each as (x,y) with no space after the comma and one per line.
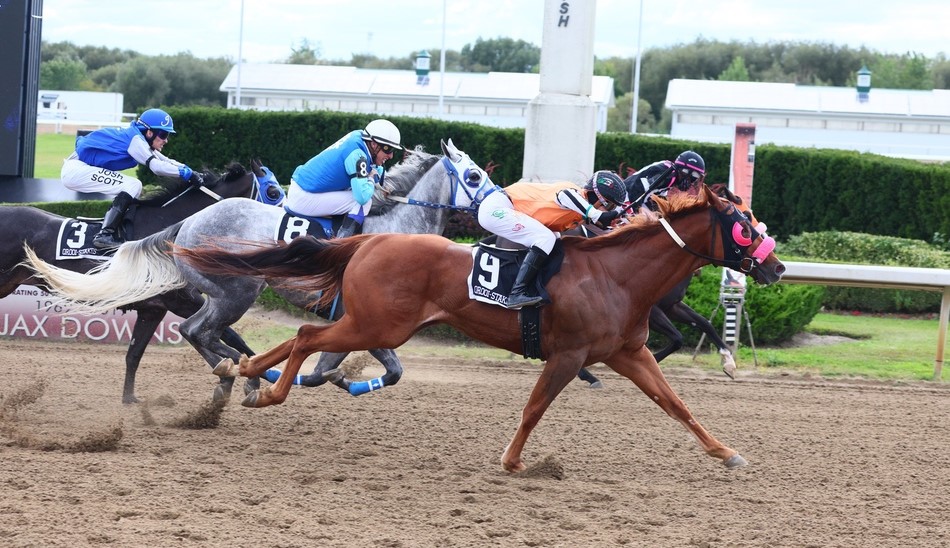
(108,237)
(349,227)
(524,282)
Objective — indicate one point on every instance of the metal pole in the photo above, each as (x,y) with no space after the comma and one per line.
(442,63)
(237,93)
(636,75)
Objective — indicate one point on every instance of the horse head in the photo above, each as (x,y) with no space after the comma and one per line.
(743,247)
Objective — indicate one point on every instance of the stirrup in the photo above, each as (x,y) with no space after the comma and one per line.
(522,300)
(105,240)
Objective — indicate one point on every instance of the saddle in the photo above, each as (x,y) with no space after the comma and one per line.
(493,274)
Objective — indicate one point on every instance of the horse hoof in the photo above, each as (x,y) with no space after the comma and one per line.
(251,399)
(334,375)
(220,394)
(729,366)
(597,384)
(735,461)
(225,368)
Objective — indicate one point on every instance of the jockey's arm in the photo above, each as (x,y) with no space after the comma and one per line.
(160,164)
(362,176)
(573,200)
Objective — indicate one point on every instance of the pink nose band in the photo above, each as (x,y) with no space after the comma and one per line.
(766,247)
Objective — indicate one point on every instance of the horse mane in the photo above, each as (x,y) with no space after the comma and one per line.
(169,187)
(404,176)
(645,222)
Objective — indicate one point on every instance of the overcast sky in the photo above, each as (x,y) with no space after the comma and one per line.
(396,28)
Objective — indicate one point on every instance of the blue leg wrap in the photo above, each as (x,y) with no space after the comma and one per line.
(362,387)
(272,375)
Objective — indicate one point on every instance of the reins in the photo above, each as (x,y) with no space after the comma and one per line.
(744,265)
(456,181)
(214,195)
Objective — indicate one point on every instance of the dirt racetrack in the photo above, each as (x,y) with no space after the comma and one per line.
(831,463)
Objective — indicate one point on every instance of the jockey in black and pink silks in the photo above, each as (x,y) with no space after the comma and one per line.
(685,172)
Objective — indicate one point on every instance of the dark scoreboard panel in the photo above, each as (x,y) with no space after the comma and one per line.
(20,30)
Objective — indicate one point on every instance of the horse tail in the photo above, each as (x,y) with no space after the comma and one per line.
(139,270)
(315,265)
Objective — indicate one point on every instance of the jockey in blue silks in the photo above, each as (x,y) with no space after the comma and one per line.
(100,156)
(342,179)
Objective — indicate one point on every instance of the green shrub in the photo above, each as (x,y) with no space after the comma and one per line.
(776,312)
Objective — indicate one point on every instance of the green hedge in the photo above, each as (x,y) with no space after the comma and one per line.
(776,312)
(796,190)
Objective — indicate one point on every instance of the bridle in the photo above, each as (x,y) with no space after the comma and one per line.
(457,183)
(733,224)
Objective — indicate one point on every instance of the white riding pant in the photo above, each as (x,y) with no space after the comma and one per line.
(324,204)
(82,177)
(498,215)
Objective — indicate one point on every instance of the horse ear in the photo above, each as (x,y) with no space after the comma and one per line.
(450,150)
(256,167)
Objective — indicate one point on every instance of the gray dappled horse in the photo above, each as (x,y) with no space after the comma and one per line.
(147,268)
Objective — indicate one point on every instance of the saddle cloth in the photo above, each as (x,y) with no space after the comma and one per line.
(75,240)
(292,225)
(494,270)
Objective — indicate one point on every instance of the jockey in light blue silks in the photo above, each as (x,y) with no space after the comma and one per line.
(342,179)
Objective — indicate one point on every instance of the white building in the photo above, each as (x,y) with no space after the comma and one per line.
(900,123)
(498,99)
(79,108)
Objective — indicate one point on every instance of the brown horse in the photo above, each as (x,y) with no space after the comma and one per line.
(394,284)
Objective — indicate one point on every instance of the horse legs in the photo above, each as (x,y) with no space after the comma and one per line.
(661,323)
(681,312)
(329,362)
(557,374)
(643,370)
(146,321)
(341,336)
(190,304)
(231,338)
(585,375)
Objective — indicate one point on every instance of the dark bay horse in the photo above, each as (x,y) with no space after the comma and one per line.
(40,231)
(142,270)
(394,285)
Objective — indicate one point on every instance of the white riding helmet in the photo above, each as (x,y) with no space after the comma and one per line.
(383,132)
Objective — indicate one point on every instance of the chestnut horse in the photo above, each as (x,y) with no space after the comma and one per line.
(394,284)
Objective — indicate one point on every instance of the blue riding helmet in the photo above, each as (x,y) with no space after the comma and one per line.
(156,119)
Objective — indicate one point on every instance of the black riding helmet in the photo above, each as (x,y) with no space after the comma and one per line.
(690,169)
(607,188)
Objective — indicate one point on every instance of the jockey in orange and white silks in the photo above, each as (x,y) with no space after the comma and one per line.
(530,214)
(342,179)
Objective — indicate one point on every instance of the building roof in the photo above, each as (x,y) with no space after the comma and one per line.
(762,97)
(336,80)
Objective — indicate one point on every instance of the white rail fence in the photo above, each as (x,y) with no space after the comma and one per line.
(888,277)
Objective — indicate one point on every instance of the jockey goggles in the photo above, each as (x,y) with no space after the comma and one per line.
(387,149)
(160,133)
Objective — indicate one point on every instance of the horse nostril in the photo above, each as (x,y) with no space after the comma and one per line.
(780,269)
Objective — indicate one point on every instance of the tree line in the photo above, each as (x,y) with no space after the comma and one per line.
(183,79)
